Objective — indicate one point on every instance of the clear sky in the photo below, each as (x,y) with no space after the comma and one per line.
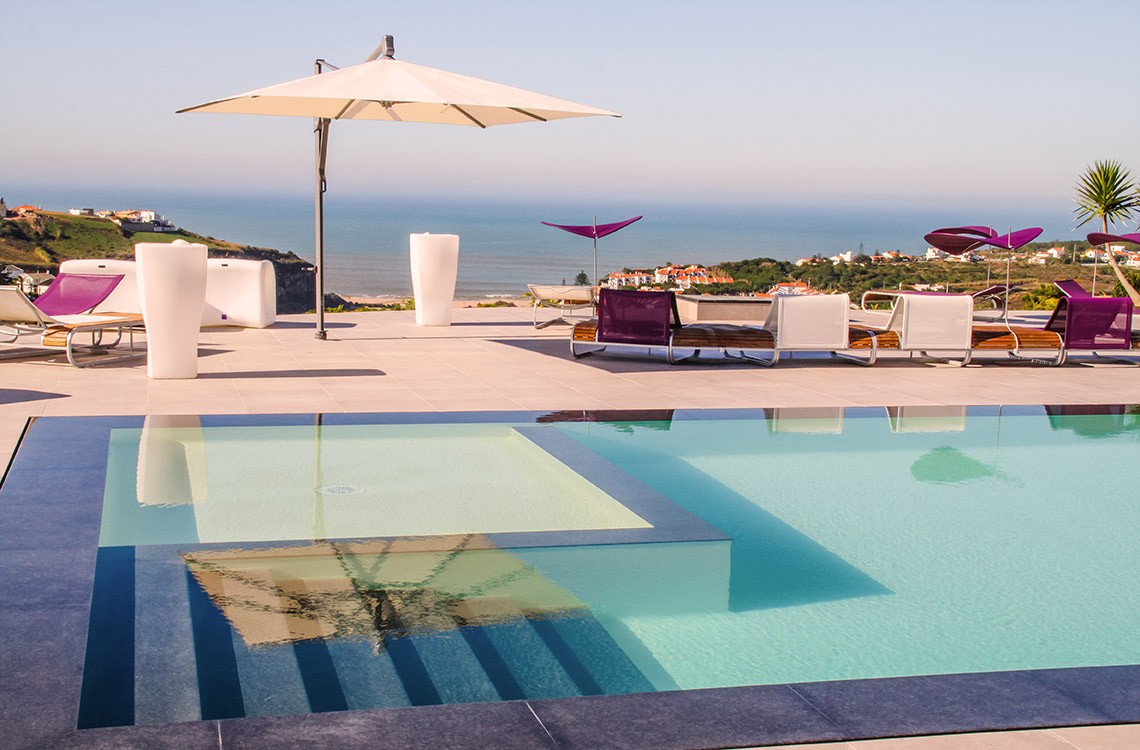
(909,102)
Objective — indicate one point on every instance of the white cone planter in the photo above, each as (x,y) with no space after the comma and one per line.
(172,292)
(435,263)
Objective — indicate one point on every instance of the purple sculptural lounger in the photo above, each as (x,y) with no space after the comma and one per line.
(1071,288)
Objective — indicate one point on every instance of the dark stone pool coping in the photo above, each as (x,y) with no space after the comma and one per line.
(55,481)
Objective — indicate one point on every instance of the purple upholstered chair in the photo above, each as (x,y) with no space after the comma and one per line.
(75,293)
(1093,323)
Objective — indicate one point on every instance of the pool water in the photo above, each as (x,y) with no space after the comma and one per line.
(263,570)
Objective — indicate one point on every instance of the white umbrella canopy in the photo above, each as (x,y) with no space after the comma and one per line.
(383,88)
(398,91)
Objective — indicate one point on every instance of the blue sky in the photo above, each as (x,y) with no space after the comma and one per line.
(837,103)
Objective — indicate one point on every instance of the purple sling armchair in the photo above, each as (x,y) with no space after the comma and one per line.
(626,317)
(635,319)
(1093,323)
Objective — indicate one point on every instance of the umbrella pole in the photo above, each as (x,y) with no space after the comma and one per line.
(594,281)
(322,134)
(1008,269)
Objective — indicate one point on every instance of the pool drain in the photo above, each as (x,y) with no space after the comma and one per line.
(340,490)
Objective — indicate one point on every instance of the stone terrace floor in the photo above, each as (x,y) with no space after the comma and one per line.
(493,359)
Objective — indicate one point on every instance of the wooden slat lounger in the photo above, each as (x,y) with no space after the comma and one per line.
(19,317)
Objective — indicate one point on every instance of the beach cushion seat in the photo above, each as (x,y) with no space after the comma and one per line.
(562,298)
(239,291)
(91,333)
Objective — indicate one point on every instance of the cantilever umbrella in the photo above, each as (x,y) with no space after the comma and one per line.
(383,88)
(958,240)
(594,230)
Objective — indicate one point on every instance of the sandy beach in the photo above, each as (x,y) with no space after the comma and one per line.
(459,303)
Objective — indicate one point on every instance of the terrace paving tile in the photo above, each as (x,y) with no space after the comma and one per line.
(1036,740)
(1110,737)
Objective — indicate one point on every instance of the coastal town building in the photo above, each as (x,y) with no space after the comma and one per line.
(34,284)
(791,288)
(144,220)
(671,276)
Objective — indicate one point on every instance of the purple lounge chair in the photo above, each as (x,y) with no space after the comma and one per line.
(1089,324)
(1072,288)
(76,293)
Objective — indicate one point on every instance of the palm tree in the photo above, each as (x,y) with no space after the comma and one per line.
(1106,192)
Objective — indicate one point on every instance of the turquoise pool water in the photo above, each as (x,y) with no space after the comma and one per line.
(999,543)
(524,560)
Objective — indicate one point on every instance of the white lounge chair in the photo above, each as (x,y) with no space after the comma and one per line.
(19,317)
(812,323)
(562,298)
(934,323)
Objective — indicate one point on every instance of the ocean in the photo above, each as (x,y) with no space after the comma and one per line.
(503,246)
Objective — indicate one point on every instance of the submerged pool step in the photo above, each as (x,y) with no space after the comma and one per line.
(441,657)
(590,655)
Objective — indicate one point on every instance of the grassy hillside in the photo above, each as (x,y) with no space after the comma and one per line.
(43,241)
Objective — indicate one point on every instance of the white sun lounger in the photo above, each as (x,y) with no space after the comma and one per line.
(562,298)
(19,317)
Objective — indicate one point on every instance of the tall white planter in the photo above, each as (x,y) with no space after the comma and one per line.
(435,263)
(172,292)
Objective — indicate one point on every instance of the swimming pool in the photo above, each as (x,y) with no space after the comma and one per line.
(248,566)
